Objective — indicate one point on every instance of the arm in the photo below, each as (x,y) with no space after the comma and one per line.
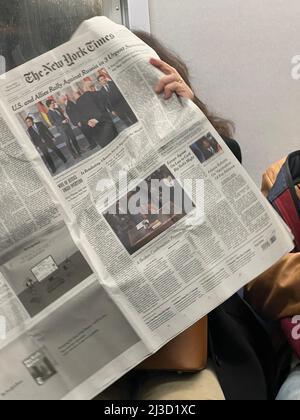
(46,130)
(73,117)
(102,101)
(30,135)
(51,118)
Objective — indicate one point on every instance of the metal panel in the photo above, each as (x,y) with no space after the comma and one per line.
(139,15)
(113,9)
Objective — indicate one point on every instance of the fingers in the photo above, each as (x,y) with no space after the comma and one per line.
(166,80)
(161,65)
(172,82)
(174,87)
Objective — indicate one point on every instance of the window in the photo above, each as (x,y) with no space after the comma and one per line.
(29,28)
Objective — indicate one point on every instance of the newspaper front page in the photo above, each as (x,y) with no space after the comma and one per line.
(96,273)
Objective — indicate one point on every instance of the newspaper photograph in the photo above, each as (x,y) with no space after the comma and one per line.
(145,222)
(86,340)
(125,217)
(45,269)
(84,118)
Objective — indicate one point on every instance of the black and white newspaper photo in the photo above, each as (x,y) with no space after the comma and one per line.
(76,122)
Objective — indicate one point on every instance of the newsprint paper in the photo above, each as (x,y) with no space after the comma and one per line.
(89,289)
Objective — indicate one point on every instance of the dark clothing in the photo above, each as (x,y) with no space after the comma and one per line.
(204,154)
(86,130)
(247,363)
(114,101)
(235,148)
(57,119)
(208,153)
(44,140)
(91,107)
(73,113)
(41,134)
(198,152)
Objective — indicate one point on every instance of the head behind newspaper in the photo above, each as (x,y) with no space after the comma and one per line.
(224,127)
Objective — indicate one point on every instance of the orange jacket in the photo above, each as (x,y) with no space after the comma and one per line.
(276,293)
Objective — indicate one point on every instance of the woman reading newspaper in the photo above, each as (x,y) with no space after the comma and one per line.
(242,361)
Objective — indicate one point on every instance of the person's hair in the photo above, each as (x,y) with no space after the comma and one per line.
(87,85)
(49,102)
(29,118)
(224,127)
(101,74)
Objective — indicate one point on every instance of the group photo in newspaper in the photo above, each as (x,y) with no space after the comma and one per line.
(125,219)
(84,117)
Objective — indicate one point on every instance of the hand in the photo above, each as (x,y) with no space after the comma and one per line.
(65,121)
(92,123)
(79,124)
(172,82)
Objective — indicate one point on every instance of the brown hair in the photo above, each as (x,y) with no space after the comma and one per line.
(224,127)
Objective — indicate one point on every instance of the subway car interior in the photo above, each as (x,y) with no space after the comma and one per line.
(149,202)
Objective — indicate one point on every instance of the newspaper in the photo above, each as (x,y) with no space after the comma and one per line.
(87,289)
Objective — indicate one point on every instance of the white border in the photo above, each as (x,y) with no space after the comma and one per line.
(139,15)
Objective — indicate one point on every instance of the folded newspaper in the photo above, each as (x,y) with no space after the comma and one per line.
(96,272)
